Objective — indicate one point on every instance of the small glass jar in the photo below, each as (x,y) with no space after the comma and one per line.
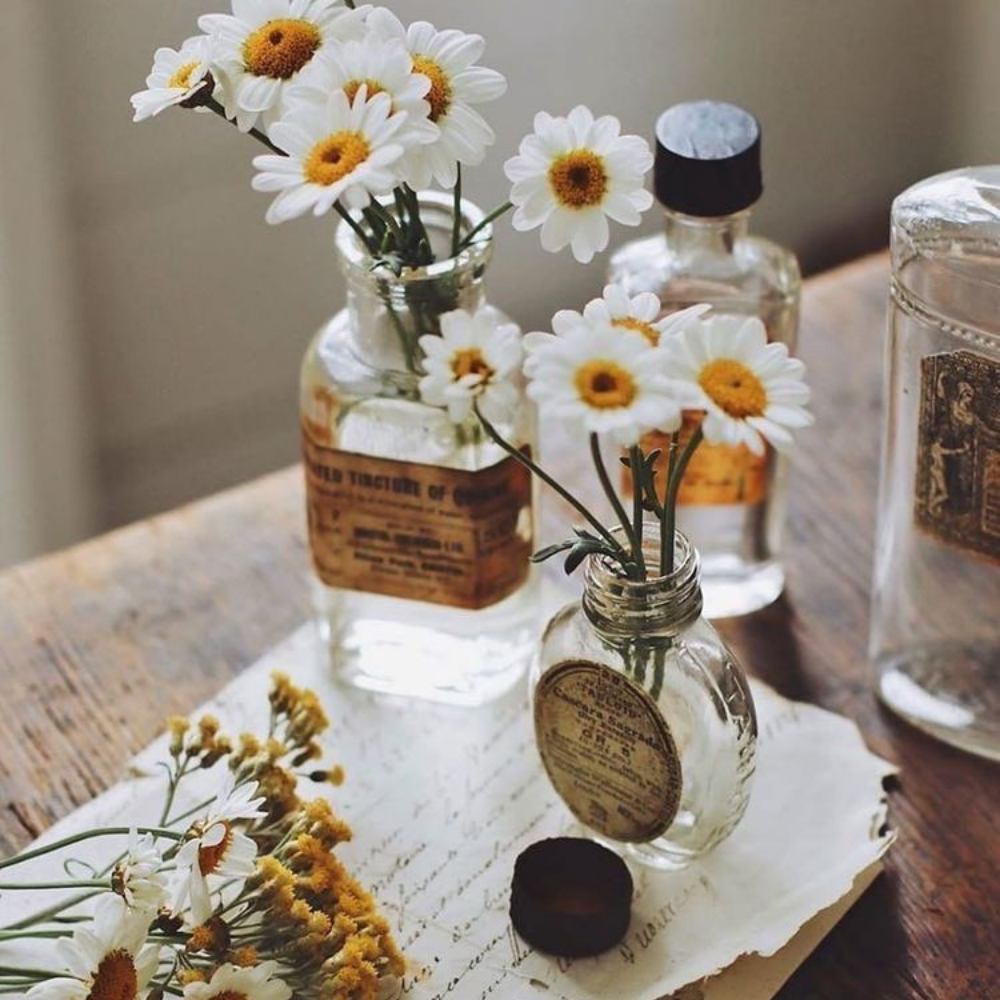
(421,531)
(935,635)
(644,720)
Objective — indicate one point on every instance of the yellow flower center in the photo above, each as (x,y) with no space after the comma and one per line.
(640,326)
(115,978)
(605,385)
(280,48)
(470,361)
(734,388)
(578,179)
(336,156)
(352,87)
(209,858)
(181,80)
(439,97)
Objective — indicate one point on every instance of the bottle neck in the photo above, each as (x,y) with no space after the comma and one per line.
(621,610)
(693,238)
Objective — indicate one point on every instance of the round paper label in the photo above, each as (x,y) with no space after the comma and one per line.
(608,751)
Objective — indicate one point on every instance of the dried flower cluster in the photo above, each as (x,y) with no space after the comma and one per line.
(241,897)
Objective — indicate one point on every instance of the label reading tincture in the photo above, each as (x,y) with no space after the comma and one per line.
(426,533)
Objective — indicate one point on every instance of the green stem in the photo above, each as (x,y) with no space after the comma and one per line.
(52,911)
(611,493)
(417,224)
(638,464)
(550,482)
(668,527)
(456,222)
(491,218)
(111,831)
(366,242)
(25,886)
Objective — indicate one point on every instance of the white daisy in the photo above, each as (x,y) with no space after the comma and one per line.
(229,981)
(217,849)
(474,360)
(106,959)
(641,313)
(447,59)
(572,175)
(750,390)
(176,78)
(265,46)
(601,379)
(384,67)
(337,151)
(139,878)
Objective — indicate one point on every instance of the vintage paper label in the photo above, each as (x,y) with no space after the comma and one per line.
(958,457)
(716,474)
(402,529)
(608,751)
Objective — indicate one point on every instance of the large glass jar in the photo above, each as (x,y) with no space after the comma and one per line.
(644,719)
(935,632)
(420,530)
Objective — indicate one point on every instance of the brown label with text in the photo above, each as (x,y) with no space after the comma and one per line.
(716,474)
(608,751)
(422,532)
(958,460)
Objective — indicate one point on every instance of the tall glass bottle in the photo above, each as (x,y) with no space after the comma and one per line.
(420,530)
(731,503)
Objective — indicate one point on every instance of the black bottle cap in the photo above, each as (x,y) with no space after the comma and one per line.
(571,897)
(707,158)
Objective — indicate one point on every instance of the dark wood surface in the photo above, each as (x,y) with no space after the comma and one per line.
(98,644)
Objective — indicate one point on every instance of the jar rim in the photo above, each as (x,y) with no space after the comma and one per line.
(355,257)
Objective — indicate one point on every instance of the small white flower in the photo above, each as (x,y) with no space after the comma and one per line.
(106,959)
(474,360)
(602,380)
(641,314)
(257,983)
(217,849)
(384,67)
(572,175)
(177,76)
(447,59)
(337,151)
(266,46)
(139,878)
(751,390)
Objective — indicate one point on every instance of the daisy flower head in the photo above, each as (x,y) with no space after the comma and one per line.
(266,46)
(448,60)
(217,849)
(573,174)
(106,959)
(602,380)
(230,981)
(337,151)
(751,391)
(181,76)
(641,314)
(474,360)
(139,878)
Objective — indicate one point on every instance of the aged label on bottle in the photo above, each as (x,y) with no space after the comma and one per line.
(958,457)
(717,473)
(402,529)
(608,751)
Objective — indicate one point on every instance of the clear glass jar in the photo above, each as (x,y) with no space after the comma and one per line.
(732,503)
(420,530)
(644,719)
(935,635)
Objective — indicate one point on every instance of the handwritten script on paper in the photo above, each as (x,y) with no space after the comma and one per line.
(442,800)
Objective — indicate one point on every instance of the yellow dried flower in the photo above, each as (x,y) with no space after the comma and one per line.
(245,958)
(276,749)
(177,726)
(187,976)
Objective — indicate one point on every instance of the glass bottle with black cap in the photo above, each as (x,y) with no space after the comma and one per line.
(708,177)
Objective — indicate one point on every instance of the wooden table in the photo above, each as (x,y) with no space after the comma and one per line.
(100,643)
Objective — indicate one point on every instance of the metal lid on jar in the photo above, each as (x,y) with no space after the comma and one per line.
(571,897)
(707,159)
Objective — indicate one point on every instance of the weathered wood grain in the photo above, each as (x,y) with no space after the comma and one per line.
(99,643)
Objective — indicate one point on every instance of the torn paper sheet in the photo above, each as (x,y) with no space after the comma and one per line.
(442,800)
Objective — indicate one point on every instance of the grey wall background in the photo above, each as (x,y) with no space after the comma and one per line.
(151,323)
